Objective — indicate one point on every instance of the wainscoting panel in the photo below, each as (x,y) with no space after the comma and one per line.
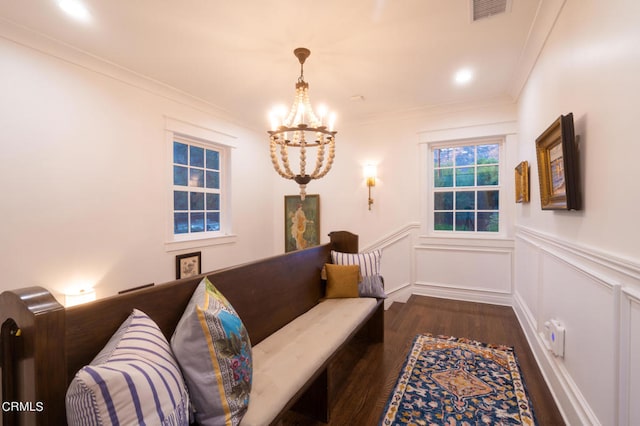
(586,307)
(526,278)
(596,297)
(477,273)
(630,354)
(397,262)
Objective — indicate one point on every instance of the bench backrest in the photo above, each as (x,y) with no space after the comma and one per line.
(57,342)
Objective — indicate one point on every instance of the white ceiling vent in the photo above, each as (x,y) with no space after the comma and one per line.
(481,9)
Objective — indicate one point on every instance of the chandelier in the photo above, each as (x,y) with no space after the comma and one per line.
(301,129)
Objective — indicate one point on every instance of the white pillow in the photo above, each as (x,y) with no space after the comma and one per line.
(134,380)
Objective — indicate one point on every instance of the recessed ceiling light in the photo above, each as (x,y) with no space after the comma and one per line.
(463,76)
(76,9)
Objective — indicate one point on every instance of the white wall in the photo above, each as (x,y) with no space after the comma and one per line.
(590,67)
(583,267)
(84,174)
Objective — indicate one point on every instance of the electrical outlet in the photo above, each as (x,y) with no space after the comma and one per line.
(554,333)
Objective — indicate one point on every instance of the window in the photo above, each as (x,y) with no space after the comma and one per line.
(198,195)
(465,187)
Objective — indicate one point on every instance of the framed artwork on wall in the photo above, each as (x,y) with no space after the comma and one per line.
(301,222)
(188,265)
(522,182)
(558,170)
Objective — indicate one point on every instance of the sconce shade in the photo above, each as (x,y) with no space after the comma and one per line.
(370,174)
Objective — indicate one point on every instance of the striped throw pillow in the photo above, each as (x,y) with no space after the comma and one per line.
(135,379)
(369,262)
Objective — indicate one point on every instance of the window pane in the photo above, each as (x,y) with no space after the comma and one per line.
(197,156)
(443,157)
(213,160)
(465,200)
(443,221)
(488,200)
(213,179)
(180,175)
(465,176)
(487,175)
(466,195)
(465,155)
(179,153)
(443,178)
(213,201)
(180,223)
(488,154)
(443,201)
(488,221)
(180,200)
(196,178)
(213,221)
(465,221)
(197,201)
(197,222)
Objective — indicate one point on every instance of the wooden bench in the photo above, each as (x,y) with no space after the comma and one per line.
(45,344)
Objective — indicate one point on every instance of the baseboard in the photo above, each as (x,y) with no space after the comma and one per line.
(400,295)
(467,295)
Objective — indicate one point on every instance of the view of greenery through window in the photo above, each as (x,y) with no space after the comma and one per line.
(465,188)
(196,189)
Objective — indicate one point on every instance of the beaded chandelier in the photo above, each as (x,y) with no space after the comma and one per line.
(301,129)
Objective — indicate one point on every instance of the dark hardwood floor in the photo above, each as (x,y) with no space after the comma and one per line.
(361,398)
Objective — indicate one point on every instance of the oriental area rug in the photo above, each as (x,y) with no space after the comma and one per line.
(450,381)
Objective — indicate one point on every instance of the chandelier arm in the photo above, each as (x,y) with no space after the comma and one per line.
(285,161)
(303,154)
(276,164)
(320,156)
(332,153)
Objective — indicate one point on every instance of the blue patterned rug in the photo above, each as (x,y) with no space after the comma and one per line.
(450,381)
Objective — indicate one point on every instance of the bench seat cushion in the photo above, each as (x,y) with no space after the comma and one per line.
(286,360)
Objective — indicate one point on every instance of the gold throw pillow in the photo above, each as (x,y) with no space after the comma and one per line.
(342,280)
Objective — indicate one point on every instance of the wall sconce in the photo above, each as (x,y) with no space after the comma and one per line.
(370,175)
(77,297)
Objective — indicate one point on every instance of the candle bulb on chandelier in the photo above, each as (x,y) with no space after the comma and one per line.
(322,112)
(332,121)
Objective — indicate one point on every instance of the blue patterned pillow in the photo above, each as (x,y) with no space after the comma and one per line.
(214,352)
(133,380)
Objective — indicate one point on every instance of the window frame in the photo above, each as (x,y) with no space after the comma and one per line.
(429,189)
(192,135)
(190,190)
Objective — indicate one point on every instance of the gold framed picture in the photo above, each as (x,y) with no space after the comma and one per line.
(558,170)
(522,182)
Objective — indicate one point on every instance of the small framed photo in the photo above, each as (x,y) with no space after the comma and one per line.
(188,265)
(522,182)
(558,167)
(301,222)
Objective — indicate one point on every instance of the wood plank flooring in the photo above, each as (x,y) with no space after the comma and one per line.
(362,397)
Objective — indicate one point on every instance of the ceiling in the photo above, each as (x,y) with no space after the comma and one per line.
(369,58)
